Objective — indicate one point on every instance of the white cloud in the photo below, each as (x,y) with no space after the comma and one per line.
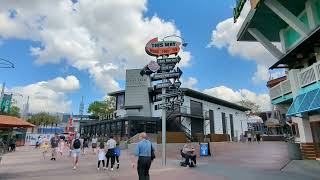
(102,38)
(189,83)
(224,36)
(228,94)
(49,96)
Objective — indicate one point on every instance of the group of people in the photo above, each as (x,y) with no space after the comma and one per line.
(78,145)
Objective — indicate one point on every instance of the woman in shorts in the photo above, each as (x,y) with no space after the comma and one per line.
(94,143)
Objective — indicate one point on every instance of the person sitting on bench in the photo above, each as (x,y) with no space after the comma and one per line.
(188,152)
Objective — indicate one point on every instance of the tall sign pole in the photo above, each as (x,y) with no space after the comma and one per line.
(164,128)
(164,69)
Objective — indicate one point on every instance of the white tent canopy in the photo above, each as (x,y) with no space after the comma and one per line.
(255,119)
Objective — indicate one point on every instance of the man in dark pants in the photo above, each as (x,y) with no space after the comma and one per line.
(143,152)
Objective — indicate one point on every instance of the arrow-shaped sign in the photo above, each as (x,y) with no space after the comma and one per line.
(169,60)
(168,84)
(176,74)
(167,67)
(168,95)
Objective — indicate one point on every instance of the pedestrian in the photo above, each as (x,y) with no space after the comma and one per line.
(101,156)
(145,153)
(258,137)
(61,146)
(76,145)
(54,141)
(38,142)
(94,143)
(13,144)
(85,145)
(111,145)
(45,149)
(249,137)
(117,153)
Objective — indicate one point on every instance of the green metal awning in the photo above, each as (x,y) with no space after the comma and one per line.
(306,102)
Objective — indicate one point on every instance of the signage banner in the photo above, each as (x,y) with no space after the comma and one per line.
(162,48)
(175,74)
(169,60)
(168,67)
(6,103)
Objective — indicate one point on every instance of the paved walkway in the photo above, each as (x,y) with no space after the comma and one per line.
(229,161)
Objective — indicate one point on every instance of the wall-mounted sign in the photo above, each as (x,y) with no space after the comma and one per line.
(168,75)
(162,48)
(153,66)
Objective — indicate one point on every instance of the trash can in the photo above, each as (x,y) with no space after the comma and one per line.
(204,149)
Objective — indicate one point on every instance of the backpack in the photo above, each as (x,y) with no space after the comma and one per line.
(76,144)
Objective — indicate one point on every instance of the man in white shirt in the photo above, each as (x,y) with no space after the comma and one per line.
(111,144)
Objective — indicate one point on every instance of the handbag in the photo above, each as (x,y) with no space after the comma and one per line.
(153,156)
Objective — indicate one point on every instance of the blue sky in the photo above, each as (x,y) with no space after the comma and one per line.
(47,48)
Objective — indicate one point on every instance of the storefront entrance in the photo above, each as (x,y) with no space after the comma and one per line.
(315,128)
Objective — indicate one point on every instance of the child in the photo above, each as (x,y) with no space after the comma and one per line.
(117,152)
(101,156)
(45,149)
(61,146)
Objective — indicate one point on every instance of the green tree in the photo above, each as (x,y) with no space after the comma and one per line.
(14,111)
(102,108)
(44,119)
(254,108)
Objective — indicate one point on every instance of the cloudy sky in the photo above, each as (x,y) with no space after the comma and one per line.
(65,49)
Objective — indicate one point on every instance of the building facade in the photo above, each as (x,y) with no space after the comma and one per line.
(138,109)
(295,25)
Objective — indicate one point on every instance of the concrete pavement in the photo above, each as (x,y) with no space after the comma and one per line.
(229,161)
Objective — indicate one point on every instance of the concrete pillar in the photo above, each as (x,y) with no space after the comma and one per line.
(312,13)
(304,129)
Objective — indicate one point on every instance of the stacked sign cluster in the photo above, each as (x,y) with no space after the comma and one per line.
(165,69)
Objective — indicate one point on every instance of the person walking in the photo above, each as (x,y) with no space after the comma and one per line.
(85,144)
(45,149)
(61,146)
(111,144)
(76,145)
(94,144)
(54,141)
(258,137)
(101,156)
(145,153)
(117,153)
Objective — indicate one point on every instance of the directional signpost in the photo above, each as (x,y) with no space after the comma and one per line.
(164,69)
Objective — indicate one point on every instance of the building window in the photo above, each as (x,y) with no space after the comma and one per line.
(120,102)
(224,123)
(211,118)
(231,125)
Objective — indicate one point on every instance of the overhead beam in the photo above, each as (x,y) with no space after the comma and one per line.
(287,16)
(265,42)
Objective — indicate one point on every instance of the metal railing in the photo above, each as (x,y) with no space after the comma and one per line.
(309,75)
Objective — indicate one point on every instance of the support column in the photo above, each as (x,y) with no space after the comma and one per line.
(306,140)
(265,42)
(287,16)
(311,12)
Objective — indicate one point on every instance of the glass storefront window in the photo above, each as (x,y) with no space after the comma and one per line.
(120,102)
